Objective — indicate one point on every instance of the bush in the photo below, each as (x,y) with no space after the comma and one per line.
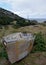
(33,22)
(39,43)
(0,26)
(22,23)
(3,52)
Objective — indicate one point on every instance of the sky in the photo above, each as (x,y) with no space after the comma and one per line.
(26,8)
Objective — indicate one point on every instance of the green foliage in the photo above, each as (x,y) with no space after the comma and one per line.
(5,20)
(0,27)
(23,22)
(39,43)
(33,22)
(3,52)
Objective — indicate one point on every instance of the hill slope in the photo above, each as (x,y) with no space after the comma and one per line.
(6,17)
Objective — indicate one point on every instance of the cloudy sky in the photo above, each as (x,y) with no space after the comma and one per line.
(26,8)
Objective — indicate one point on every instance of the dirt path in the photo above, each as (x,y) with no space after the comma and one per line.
(31,59)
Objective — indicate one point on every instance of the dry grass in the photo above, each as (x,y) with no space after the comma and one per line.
(32,29)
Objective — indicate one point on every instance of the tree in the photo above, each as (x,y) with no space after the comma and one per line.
(34,22)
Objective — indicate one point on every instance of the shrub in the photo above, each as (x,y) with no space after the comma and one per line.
(3,52)
(0,26)
(39,43)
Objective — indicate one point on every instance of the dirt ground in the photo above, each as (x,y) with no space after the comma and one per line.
(32,59)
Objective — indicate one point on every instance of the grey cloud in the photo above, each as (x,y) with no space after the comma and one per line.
(33,8)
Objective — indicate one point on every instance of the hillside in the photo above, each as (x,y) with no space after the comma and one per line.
(33,58)
(6,17)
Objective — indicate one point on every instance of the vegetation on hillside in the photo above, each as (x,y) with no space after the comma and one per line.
(8,18)
(22,23)
(5,20)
